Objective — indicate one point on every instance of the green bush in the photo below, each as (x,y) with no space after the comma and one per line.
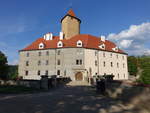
(145,77)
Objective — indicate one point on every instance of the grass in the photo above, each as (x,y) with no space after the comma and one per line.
(17,89)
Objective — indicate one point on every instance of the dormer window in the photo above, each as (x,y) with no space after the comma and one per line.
(102,46)
(60,44)
(79,43)
(41,46)
(115,49)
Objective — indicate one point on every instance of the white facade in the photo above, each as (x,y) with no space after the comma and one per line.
(91,62)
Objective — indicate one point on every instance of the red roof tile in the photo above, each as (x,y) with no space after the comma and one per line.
(88,41)
(71,13)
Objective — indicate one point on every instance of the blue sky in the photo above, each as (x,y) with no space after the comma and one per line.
(126,22)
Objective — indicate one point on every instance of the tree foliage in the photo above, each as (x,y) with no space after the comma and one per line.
(132,65)
(3,66)
(140,63)
(12,71)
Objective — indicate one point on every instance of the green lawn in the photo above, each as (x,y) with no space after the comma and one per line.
(17,89)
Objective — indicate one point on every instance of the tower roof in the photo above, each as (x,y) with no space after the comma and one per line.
(72,14)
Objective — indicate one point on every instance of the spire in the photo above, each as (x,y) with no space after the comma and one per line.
(71,13)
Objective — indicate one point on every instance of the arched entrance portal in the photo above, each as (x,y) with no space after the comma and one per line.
(78,76)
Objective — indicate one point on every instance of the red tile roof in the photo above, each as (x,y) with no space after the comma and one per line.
(71,13)
(88,41)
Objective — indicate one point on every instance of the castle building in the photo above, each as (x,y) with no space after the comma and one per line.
(71,54)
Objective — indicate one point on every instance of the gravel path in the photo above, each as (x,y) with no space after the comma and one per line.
(68,99)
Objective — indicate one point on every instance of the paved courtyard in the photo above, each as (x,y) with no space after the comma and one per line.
(67,99)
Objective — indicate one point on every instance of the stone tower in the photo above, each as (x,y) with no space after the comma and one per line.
(70,25)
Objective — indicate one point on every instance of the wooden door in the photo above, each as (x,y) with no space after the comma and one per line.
(79,76)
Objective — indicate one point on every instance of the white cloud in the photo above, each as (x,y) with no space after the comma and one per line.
(134,40)
(125,43)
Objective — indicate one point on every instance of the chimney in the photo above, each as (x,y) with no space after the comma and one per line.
(61,35)
(51,36)
(103,38)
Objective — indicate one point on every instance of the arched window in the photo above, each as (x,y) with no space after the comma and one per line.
(79,43)
(41,46)
(60,44)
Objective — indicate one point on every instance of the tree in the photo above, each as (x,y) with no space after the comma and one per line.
(132,65)
(3,66)
(12,71)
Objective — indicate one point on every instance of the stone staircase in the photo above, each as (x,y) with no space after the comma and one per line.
(78,83)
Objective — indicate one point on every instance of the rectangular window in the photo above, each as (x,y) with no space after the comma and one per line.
(58,62)
(80,62)
(117,56)
(65,73)
(39,63)
(38,73)
(123,65)
(58,72)
(77,62)
(103,54)
(118,75)
(95,62)
(110,55)
(27,63)
(95,53)
(46,72)
(58,52)
(40,53)
(123,57)
(47,53)
(117,65)
(111,64)
(47,62)
(27,55)
(26,73)
(104,63)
